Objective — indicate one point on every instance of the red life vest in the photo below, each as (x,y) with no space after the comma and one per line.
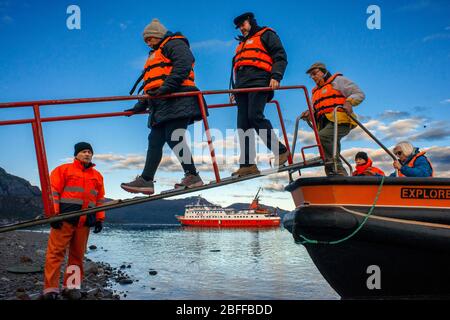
(366,169)
(253,53)
(158,67)
(326,97)
(413,161)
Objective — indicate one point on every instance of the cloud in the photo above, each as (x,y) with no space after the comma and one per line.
(212,44)
(445,101)
(436,36)
(121,162)
(432,134)
(274,187)
(123,26)
(393,115)
(399,128)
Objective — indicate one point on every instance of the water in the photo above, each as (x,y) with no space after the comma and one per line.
(196,263)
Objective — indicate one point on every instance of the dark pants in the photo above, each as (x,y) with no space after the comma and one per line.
(251,116)
(161,134)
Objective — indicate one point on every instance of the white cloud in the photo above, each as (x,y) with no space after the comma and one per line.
(446,101)
(436,36)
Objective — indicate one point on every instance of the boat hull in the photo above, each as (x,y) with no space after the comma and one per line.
(230,223)
(407,242)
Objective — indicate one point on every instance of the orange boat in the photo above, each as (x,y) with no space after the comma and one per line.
(399,226)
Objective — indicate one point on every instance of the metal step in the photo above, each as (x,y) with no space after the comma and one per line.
(315,162)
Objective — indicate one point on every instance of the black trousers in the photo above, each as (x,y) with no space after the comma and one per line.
(162,134)
(251,116)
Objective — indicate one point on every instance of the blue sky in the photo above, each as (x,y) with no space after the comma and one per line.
(403,69)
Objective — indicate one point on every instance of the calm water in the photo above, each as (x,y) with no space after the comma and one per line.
(211,263)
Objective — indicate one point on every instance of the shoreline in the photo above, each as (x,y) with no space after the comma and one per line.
(22,264)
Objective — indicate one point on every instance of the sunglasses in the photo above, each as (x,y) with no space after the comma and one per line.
(398,153)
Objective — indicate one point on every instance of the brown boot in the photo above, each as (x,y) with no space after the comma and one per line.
(245,171)
(282,159)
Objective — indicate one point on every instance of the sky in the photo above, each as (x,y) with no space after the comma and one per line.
(403,68)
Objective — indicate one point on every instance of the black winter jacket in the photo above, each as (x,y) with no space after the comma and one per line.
(162,110)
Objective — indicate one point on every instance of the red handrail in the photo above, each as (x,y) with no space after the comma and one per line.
(36,123)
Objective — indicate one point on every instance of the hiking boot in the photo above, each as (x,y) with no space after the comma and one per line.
(189,181)
(50,296)
(139,185)
(282,159)
(71,294)
(245,171)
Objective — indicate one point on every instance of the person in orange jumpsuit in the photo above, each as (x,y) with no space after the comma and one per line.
(75,186)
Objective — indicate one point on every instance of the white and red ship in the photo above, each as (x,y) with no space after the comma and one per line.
(198,215)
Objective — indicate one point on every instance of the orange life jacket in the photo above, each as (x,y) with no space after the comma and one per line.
(367,167)
(252,53)
(413,161)
(158,67)
(72,183)
(326,98)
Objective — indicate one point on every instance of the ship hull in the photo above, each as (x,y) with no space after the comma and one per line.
(230,223)
(406,238)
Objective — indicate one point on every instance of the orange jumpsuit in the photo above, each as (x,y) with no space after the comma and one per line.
(74,187)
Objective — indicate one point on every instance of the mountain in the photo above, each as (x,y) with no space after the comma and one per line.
(159,211)
(19,200)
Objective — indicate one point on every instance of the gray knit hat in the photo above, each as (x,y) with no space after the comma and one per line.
(154,29)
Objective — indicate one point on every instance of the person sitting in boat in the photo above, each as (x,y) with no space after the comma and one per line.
(411,162)
(364,166)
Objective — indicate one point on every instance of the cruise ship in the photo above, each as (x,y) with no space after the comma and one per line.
(199,215)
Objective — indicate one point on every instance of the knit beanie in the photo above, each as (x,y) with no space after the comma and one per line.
(154,29)
(362,155)
(80,146)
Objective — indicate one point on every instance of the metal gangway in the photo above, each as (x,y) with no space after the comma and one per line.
(38,136)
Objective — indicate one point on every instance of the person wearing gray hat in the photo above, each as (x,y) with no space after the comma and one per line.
(332,91)
(260,61)
(168,69)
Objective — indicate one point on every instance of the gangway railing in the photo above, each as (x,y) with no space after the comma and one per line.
(38,136)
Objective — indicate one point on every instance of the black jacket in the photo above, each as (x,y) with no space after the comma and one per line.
(248,76)
(162,110)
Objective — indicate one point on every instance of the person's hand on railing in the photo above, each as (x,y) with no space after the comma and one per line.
(274,84)
(232,98)
(397,165)
(305,115)
(348,107)
(140,106)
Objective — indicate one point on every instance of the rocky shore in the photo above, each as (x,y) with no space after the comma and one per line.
(21,270)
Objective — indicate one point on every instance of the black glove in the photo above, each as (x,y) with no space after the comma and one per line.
(56,224)
(138,107)
(98,227)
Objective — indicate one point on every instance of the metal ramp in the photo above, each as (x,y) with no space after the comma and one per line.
(314,162)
